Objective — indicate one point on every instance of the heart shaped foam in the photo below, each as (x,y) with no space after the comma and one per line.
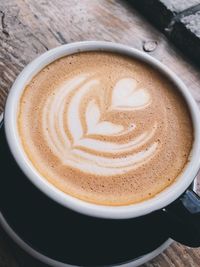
(95,126)
(126,96)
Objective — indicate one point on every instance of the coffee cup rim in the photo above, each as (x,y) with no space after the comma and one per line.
(157,202)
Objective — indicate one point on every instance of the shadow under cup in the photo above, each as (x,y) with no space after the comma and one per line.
(77,239)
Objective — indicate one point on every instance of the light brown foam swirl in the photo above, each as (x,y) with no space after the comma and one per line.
(97,131)
(82,151)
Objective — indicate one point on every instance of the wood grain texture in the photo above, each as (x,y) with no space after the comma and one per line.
(29,28)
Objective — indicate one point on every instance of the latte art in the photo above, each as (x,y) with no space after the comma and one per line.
(126,96)
(64,120)
(105,128)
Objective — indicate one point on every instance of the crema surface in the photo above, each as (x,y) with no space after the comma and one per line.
(105,128)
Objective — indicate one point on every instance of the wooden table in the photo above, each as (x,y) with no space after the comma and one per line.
(29,28)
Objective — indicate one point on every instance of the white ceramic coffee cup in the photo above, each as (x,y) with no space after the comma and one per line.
(159,201)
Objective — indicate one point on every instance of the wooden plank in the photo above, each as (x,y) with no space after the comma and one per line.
(28,28)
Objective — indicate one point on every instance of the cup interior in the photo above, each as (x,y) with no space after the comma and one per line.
(119,212)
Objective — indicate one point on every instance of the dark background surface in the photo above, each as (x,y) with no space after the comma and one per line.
(179,20)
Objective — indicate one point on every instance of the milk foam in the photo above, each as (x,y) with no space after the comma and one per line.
(125,96)
(107,133)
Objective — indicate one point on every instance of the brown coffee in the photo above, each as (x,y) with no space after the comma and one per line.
(105,128)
